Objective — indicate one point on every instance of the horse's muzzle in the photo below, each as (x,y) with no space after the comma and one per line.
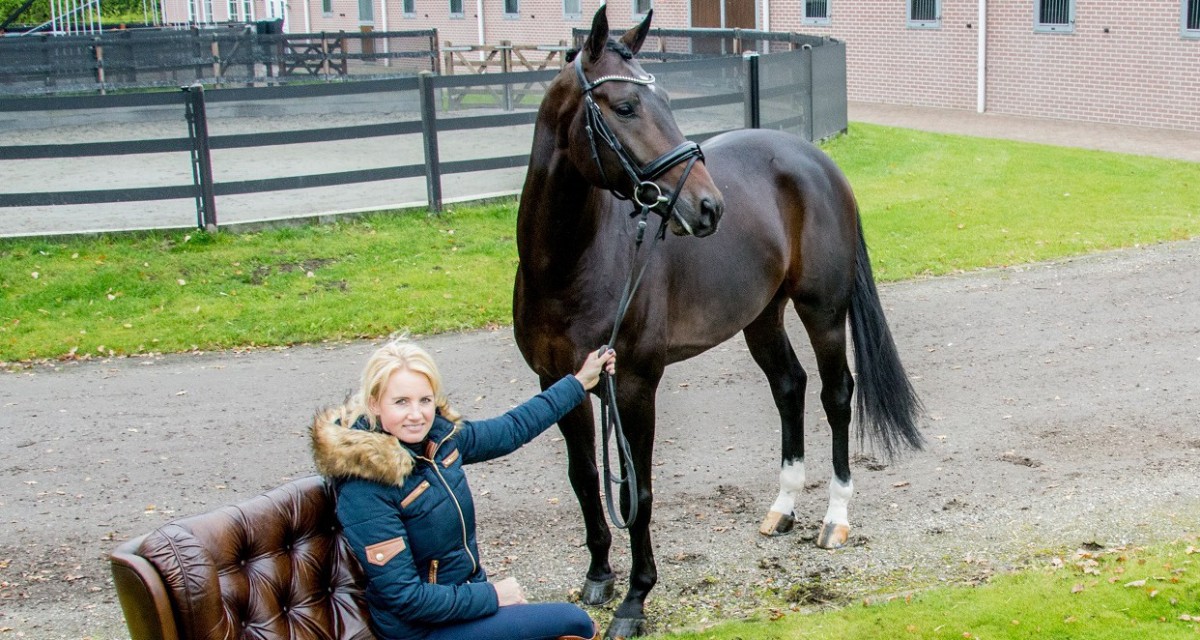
(699,218)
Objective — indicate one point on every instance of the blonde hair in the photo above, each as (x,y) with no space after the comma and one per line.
(397,355)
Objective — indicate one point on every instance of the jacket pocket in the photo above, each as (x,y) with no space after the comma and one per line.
(433,569)
(381,552)
(414,494)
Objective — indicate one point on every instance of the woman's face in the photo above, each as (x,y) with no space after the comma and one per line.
(406,406)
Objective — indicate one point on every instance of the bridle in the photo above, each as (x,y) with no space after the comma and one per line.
(646,193)
(647,196)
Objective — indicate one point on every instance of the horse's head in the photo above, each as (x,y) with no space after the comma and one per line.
(621,135)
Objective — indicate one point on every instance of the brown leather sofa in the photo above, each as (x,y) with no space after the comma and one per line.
(274,566)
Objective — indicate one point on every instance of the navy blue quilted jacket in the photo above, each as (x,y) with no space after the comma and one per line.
(408,513)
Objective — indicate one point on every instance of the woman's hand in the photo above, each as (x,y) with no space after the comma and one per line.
(509,592)
(602,359)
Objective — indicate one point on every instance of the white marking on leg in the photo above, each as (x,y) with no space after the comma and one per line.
(791,484)
(839,501)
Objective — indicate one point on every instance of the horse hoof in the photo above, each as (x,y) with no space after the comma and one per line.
(597,592)
(776,524)
(622,628)
(833,535)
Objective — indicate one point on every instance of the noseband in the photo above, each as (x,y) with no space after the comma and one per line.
(646,193)
(648,196)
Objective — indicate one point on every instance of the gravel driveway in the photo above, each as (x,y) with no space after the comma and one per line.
(1062,402)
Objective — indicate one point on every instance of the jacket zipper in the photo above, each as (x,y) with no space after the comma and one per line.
(462,519)
(433,567)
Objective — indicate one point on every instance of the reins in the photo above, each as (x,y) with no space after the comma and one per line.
(647,196)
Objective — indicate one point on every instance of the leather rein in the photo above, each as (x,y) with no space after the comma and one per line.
(647,196)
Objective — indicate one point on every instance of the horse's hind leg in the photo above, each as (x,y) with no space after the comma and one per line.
(772,351)
(827,332)
(579,431)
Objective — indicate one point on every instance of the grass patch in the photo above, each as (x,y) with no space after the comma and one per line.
(931,204)
(935,204)
(167,292)
(1093,594)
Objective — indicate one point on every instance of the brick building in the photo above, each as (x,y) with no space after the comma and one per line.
(1092,60)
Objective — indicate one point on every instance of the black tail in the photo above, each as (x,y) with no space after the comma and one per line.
(887,404)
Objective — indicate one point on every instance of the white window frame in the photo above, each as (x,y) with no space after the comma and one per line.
(1190,8)
(408,8)
(326,8)
(572,13)
(807,19)
(512,15)
(456,14)
(642,7)
(1053,27)
(935,23)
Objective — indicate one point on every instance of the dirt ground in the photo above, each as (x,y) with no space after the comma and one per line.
(1062,407)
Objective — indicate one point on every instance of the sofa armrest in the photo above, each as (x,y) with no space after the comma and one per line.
(142,594)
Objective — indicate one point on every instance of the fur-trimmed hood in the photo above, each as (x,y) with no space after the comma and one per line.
(342,451)
(354,451)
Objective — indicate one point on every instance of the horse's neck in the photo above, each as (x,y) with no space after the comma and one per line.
(557,224)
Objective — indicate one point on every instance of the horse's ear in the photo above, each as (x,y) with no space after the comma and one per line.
(599,37)
(634,38)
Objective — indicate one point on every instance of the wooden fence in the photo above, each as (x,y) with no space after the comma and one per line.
(802,91)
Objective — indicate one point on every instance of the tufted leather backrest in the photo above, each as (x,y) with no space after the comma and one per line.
(274,566)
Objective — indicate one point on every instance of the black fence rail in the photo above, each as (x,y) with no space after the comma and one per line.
(802,91)
(139,59)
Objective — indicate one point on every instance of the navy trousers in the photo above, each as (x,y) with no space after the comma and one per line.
(535,621)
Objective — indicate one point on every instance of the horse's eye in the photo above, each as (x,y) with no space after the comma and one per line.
(624,110)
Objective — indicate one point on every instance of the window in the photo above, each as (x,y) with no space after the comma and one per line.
(642,7)
(366,11)
(572,9)
(327,7)
(816,12)
(512,8)
(924,14)
(1055,16)
(1191,18)
(456,10)
(410,8)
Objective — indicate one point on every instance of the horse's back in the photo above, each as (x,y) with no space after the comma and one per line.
(789,228)
(785,184)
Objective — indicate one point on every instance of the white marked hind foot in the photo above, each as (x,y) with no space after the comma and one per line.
(776,524)
(833,535)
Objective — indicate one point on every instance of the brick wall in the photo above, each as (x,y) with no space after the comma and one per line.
(1141,72)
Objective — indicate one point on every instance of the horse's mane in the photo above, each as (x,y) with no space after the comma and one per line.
(611,45)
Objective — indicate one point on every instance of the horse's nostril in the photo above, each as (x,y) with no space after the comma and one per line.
(710,211)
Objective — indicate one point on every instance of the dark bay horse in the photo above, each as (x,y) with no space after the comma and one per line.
(789,234)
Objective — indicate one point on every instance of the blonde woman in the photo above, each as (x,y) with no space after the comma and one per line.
(396,452)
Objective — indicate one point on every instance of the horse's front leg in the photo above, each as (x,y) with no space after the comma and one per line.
(579,431)
(636,403)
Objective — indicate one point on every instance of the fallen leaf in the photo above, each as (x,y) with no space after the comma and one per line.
(1136,583)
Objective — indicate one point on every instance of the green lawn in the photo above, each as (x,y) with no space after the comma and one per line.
(1126,593)
(932,204)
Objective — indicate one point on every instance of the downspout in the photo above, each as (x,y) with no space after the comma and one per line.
(766,21)
(479,16)
(981,58)
(307,18)
(387,61)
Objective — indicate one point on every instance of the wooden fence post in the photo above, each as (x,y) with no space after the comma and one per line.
(98,53)
(505,67)
(433,176)
(197,119)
